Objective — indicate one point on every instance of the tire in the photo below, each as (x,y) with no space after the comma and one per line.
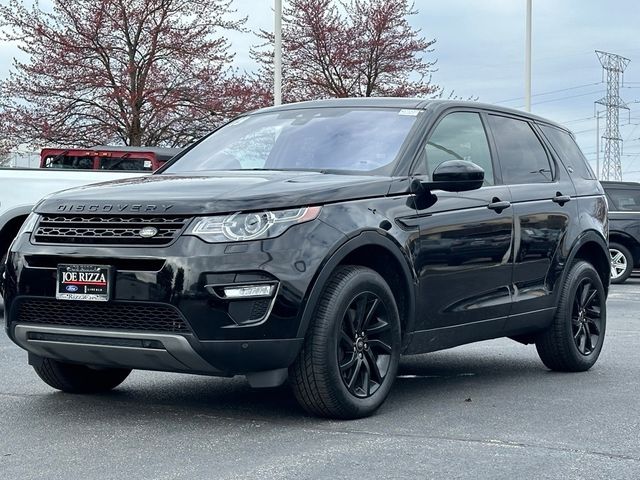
(72,378)
(340,373)
(621,262)
(574,340)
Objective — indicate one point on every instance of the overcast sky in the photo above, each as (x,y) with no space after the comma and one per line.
(480,52)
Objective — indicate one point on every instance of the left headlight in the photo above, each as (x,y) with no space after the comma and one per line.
(242,227)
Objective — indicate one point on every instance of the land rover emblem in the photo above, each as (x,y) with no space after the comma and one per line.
(148,232)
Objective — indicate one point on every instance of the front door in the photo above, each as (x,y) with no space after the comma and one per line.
(463,254)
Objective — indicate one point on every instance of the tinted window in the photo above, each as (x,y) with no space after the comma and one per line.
(625,199)
(126,163)
(523,159)
(350,139)
(568,151)
(80,163)
(460,136)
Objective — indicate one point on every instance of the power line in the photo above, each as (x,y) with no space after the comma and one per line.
(585,131)
(550,92)
(562,98)
(577,120)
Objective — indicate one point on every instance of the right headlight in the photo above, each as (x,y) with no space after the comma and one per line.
(242,227)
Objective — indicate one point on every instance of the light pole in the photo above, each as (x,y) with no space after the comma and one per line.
(277,54)
(597,145)
(527,60)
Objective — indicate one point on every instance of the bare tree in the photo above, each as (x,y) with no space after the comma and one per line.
(354,48)
(138,72)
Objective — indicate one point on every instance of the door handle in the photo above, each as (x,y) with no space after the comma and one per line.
(498,205)
(561,199)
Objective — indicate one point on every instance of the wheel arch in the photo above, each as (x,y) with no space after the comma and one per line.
(593,248)
(383,255)
(13,220)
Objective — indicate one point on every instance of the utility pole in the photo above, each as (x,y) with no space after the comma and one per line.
(613,66)
(597,144)
(527,60)
(277,54)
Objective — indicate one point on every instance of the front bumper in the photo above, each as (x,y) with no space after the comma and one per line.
(221,336)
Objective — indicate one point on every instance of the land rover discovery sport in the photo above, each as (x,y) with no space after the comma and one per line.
(318,242)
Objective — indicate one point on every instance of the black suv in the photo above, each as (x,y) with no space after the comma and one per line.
(319,242)
(624,228)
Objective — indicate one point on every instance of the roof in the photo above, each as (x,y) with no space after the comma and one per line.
(414,103)
(120,148)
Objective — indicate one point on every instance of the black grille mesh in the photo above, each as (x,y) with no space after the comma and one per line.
(107,229)
(111,315)
(259,308)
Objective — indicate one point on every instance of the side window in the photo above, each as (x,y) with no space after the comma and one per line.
(624,200)
(460,136)
(568,151)
(522,157)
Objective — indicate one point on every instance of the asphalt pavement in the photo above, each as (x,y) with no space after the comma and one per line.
(484,411)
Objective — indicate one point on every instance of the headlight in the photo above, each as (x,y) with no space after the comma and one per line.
(241,227)
(29,224)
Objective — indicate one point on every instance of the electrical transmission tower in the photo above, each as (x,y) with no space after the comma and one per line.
(613,66)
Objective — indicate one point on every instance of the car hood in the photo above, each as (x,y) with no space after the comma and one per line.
(217,192)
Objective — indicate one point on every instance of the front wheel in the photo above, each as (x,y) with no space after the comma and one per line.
(350,356)
(72,378)
(574,340)
(621,262)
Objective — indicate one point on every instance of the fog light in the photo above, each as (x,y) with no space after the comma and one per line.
(249,291)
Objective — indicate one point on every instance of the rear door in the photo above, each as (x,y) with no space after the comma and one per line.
(544,200)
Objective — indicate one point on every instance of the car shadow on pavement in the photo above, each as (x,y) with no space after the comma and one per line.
(423,382)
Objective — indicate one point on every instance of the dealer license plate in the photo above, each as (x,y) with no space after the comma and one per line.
(84,282)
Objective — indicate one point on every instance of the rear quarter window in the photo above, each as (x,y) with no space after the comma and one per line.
(568,151)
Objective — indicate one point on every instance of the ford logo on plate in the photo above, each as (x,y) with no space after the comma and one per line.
(148,232)
(71,288)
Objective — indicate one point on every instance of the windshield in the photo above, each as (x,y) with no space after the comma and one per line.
(361,140)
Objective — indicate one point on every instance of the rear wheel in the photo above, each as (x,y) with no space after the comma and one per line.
(621,262)
(73,378)
(350,356)
(574,340)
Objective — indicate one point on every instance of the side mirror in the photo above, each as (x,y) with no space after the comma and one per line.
(456,176)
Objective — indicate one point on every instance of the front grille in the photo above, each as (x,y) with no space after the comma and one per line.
(111,315)
(107,229)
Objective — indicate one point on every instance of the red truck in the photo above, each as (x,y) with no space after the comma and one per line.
(107,157)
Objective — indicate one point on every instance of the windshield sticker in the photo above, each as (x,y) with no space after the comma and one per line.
(409,112)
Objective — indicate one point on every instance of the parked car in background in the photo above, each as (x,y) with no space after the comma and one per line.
(624,228)
(319,242)
(20,190)
(107,157)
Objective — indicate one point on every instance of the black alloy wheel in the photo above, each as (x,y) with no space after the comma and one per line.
(573,341)
(351,352)
(364,345)
(586,322)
